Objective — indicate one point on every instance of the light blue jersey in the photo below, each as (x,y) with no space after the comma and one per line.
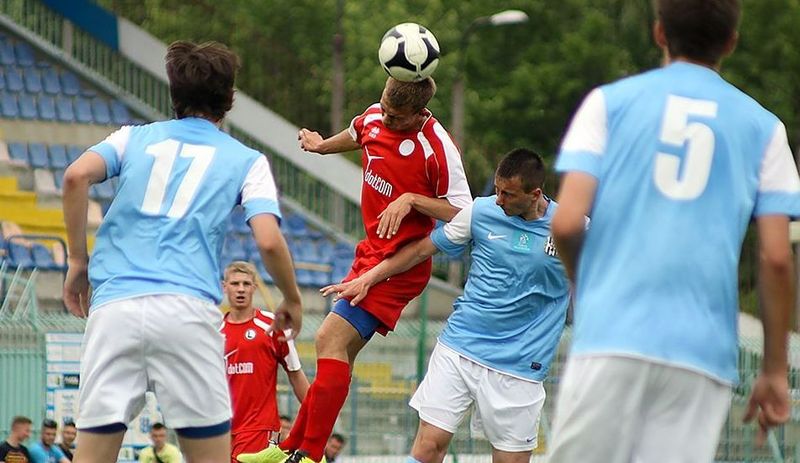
(178,181)
(683,161)
(514,305)
(41,454)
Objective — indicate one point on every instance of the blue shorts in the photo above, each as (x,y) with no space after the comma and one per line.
(364,322)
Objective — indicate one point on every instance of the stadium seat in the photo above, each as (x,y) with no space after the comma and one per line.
(69,83)
(64,109)
(13,79)
(7,56)
(8,105)
(27,106)
(19,255)
(2,81)
(296,225)
(58,178)
(119,113)
(238,224)
(24,54)
(304,277)
(43,64)
(74,152)
(102,115)
(83,110)
(320,279)
(33,80)
(50,82)
(234,248)
(47,108)
(38,155)
(88,93)
(44,183)
(58,157)
(42,258)
(18,152)
(325,251)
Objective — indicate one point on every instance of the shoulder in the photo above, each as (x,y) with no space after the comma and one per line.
(146,452)
(172,450)
(263,319)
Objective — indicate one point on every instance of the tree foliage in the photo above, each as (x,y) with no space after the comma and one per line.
(523,82)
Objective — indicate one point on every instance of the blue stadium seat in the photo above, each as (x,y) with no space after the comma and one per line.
(234,248)
(304,277)
(69,83)
(119,113)
(50,82)
(74,152)
(43,64)
(38,154)
(2,80)
(18,152)
(33,80)
(42,258)
(19,255)
(7,56)
(24,54)
(102,115)
(83,110)
(58,177)
(296,225)
(262,271)
(88,93)
(27,106)
(13,79)
(320,279)
(47,108)
(58,157)
(8,105)
(64,109)
(238,224)
(325,251)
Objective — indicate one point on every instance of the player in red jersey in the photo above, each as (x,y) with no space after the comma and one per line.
(252,355)
(412,175)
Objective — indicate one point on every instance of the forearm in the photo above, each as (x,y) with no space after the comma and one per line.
(569,246)
(339,143)
(438,208)
(776,284)
(75,205)
(406,258)
(299,383)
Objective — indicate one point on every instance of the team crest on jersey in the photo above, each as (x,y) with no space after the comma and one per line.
(373,132)
(550,247)
(521,242)
(250,334)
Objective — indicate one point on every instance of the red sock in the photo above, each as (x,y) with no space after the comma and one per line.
(332,385)
(295,437)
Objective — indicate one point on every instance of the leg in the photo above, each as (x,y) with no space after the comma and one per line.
(215,449)
(500,456)
(688,407)
(430,445)
(98,447)
(599,410)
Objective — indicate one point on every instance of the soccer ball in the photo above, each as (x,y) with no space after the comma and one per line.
(409,52)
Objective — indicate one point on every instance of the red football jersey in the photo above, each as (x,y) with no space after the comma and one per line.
(252,356)
(425,162)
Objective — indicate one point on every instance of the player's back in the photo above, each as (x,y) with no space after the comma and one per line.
(164,230)
(680,177)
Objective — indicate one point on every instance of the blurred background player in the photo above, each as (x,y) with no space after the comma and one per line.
(161,451)
(412,175)
(671,165)
(501,338)
(12,450)
(252,356)
(45,449)
(334,447)
(155,270)
(68,434)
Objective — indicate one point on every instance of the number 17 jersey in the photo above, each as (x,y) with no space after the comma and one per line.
(178,182)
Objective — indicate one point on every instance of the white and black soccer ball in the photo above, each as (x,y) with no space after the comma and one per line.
(409,52)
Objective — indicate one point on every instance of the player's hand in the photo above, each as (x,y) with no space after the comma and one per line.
(393,215)
(76,287)
(288,320)
(355,290)
(769,403)
(309,140)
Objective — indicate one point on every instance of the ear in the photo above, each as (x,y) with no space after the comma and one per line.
(660,36)
(731,45)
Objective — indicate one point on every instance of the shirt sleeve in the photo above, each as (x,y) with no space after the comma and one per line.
(585,142)
(444,167)
(778,182)
(454,236)
(359,122)
(259,194)
(112,149)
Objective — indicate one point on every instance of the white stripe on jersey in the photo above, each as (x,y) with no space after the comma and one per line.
(458,194)
(372,118)
(426,145)
(263,325)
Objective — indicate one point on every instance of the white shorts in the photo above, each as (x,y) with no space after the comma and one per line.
(167,344)
(507,409)
(621,409)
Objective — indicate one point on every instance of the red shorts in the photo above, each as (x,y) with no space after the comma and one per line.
(387,299)
(248,442)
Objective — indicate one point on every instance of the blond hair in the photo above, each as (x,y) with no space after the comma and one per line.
(241,266)
(414,95)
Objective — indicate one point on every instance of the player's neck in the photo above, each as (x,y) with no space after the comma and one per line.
(241,315)
(682,59)
(13,441)
(538,211)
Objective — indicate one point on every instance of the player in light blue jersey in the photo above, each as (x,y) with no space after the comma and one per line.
(671,165)
(503,333)
(155,270)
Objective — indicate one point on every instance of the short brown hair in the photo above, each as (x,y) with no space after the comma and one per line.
(241,266)
(698,29)
(201,78)
(414,95)
(525,164)
(17,420)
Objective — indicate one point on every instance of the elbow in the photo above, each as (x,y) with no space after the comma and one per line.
(779,262)
(74,176)
(268,244)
